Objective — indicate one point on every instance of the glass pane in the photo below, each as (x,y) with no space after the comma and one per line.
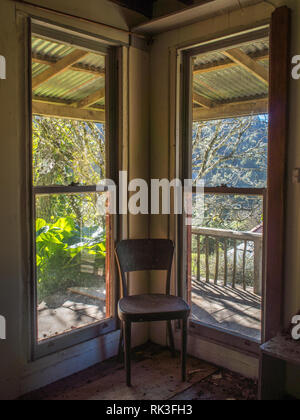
(228,211)
(226,263)
(70,259)
(67,152)
(229,149)
(231,152)
(69,115)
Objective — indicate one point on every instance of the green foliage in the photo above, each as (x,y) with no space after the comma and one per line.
(67,151)
(63,254)
(70,233)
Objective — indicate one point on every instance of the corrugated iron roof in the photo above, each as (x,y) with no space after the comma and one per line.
(72,85)
(229,84)
(216,77)
(223,84)
(252,48)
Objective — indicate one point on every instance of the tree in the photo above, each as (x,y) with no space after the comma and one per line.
(67,152)
(70,232)
(231,152)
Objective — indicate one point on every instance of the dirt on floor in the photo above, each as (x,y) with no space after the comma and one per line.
(221,385)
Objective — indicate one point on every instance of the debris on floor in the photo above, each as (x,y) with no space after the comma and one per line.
(223,385)
(206,382)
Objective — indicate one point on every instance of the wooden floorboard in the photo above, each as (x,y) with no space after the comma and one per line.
(206,382)
(235,310)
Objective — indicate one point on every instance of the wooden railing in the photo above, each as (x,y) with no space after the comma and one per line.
(219,245)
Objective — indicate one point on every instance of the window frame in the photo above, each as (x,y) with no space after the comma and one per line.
(113,54)
(230,339)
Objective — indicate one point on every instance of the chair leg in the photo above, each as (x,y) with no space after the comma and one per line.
(171,338)
(127,337)
(120,352)
(184,349)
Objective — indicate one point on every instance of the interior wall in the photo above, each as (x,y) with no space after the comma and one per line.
(18,374)
(292,262)
(163,135)
(139,62)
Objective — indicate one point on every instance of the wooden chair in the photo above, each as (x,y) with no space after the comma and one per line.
(148,255)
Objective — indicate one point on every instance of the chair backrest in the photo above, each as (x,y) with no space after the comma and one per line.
(145,255)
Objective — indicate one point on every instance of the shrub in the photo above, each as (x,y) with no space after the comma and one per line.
(68,255)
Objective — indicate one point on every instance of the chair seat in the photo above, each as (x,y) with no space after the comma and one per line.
(142,308)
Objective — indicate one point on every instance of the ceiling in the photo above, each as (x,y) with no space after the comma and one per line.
(171,14)
(145,7)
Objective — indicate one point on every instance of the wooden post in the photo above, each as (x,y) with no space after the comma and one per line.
(225,263)
(207,258)
(278,132)
(258,267)
(229,237)
(198,258)
(272,377)
(244,265)
(189,263)
(234,264)
(217,262)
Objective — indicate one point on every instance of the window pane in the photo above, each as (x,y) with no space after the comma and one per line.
(227,211)
(70,260)
(229,149)
(226,263)
(67,151)
(231,152)
(69,114)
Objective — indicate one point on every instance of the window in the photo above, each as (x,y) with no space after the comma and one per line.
(226,133)
(71,158)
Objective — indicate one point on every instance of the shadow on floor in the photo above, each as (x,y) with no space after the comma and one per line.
(235,310)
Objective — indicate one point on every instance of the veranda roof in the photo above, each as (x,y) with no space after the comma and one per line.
(69,82)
